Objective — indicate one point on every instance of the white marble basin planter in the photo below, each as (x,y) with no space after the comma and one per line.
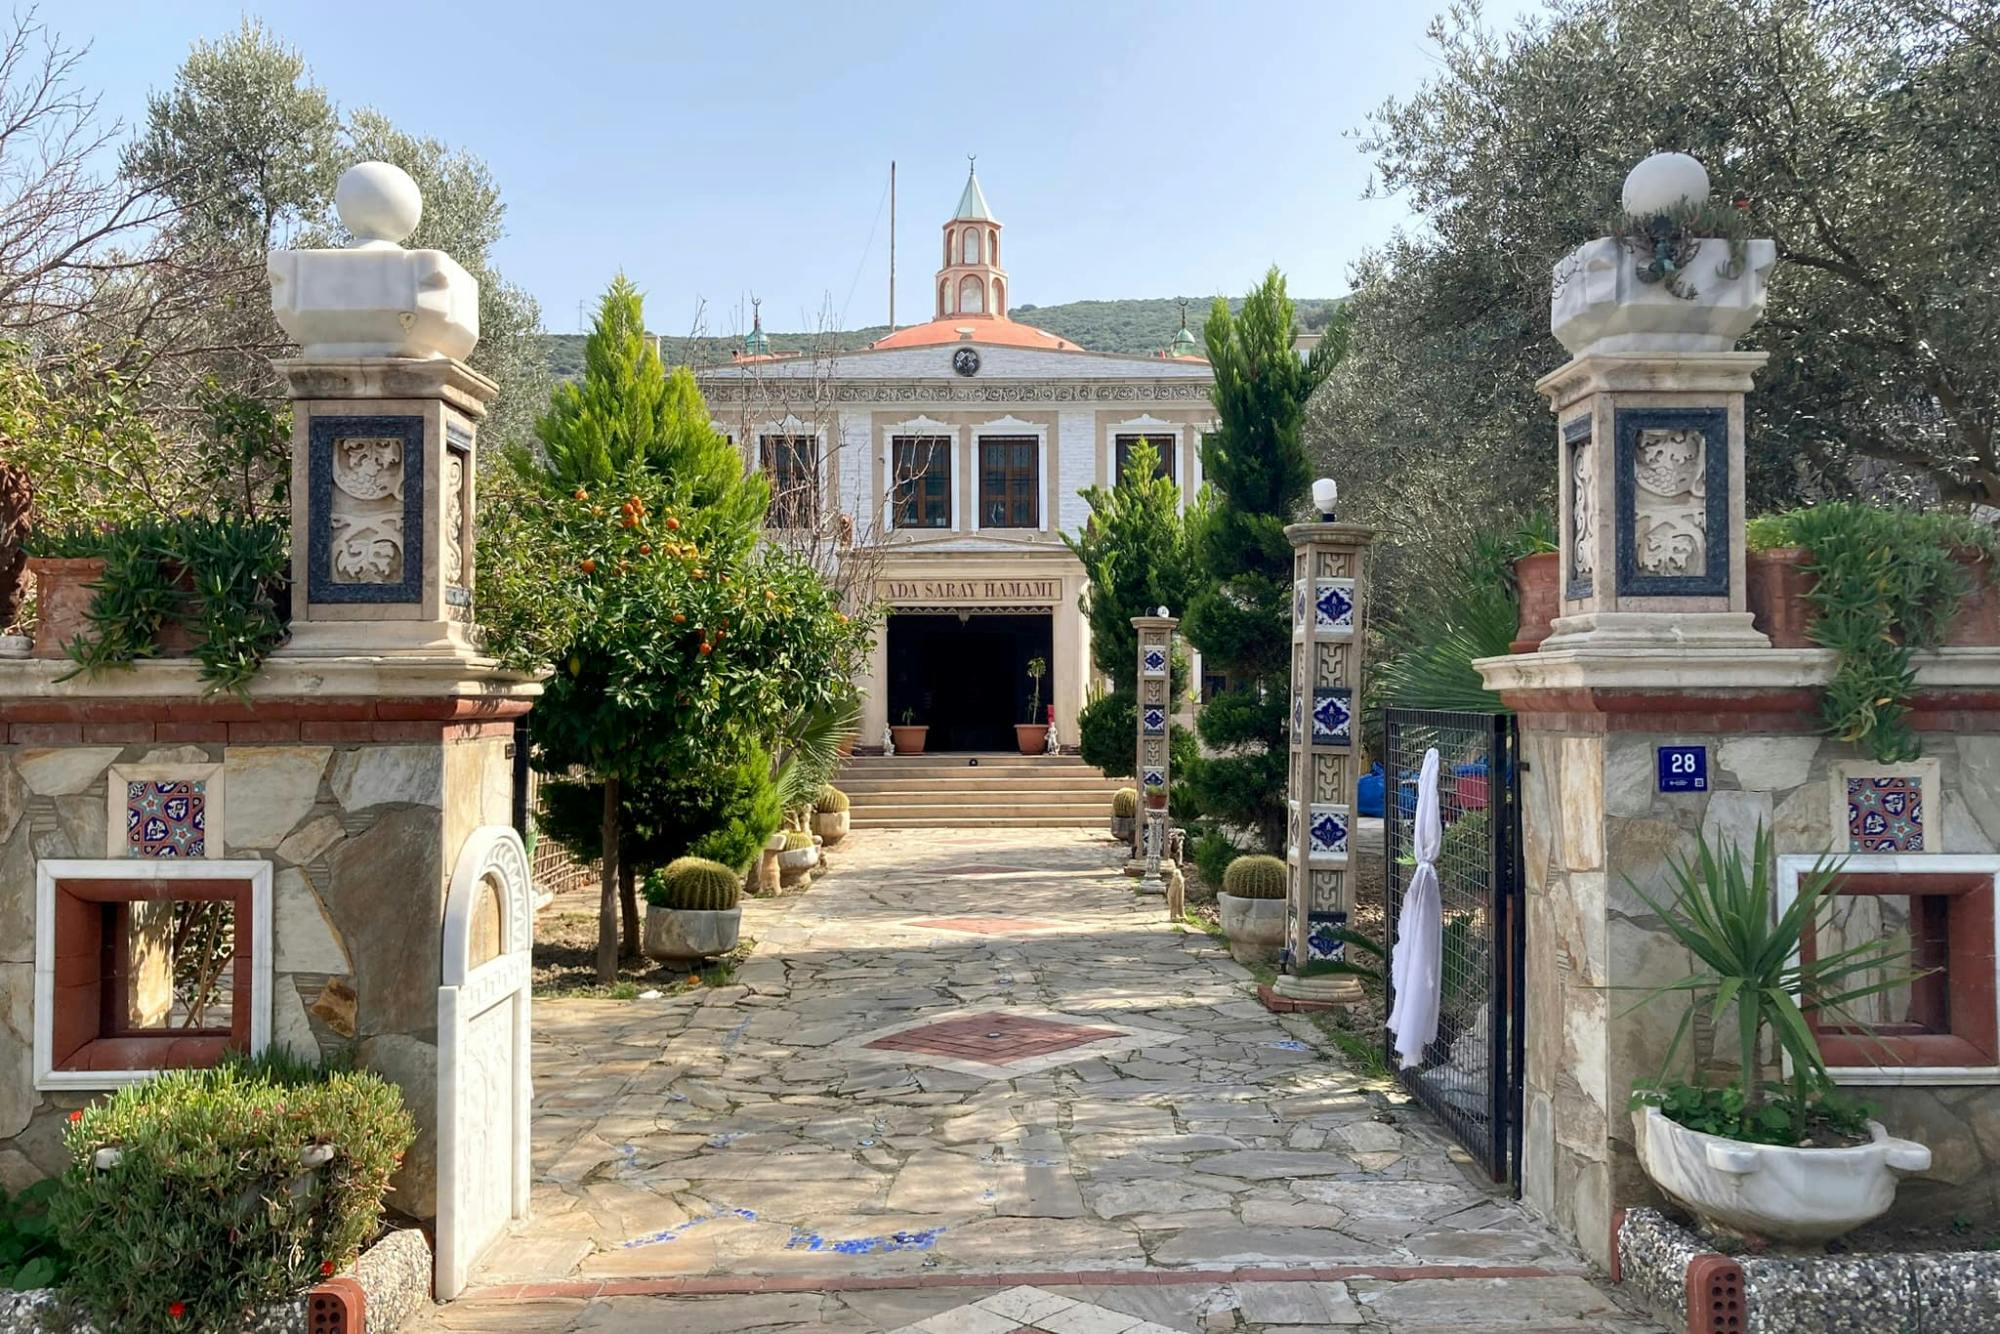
(1255,927)
(683,935)
(1772,1191)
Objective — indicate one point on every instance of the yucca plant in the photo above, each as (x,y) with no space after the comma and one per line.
(1747,954)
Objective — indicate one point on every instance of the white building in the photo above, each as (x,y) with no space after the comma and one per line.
(952,455)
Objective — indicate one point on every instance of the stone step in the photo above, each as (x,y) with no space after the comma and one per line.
(973,782)
(901,821)
(876,803)
(1082,812)
(987,759)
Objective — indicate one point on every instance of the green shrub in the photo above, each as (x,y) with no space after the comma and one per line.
(1125,802)
(30,1254)
(1255,877)
(216,1202)
(1887,582)
(694,884)
(831,801)
(1213,853)
(796,839)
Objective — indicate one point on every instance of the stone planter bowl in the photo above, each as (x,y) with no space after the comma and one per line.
(681,935)
(1123,825)
(1537,577)
(1772,1191)
(832,826)
(1255,927)
(795,864)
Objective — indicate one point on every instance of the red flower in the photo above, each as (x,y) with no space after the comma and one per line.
(178,1310)
(326,1269)
(74,1117)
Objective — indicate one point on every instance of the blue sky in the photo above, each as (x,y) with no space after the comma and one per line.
(713,150)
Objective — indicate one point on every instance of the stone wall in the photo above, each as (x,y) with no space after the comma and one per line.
(362,817)
(1593,820)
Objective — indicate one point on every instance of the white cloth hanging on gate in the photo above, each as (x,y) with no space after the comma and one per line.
(1416,966)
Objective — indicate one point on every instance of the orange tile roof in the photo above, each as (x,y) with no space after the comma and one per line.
(985,329)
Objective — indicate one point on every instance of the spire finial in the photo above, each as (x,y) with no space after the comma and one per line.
(972,164)
(757,312)
(1183,306)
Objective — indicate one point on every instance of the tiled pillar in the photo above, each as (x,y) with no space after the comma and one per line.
(1156,721)
(1329,600)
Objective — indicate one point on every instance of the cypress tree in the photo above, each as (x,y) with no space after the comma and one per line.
(1240,615)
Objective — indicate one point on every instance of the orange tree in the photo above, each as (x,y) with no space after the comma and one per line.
(669,650)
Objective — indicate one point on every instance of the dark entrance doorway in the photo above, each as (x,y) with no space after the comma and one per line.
(966,675)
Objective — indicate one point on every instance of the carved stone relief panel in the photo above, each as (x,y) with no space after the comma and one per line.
(1583,512)
(367,513)
(1670,502)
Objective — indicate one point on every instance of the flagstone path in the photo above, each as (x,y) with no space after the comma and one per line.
(970,1082)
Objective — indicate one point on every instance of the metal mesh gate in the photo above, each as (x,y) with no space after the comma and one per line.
(1470,1076)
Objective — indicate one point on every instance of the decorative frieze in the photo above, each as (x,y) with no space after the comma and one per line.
(781,389)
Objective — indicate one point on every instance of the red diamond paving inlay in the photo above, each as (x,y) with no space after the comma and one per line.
(986,926)
(993,1039)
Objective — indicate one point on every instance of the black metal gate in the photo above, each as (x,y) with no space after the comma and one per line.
(1470,1076)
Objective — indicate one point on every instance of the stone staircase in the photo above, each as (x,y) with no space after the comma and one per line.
(1002,790)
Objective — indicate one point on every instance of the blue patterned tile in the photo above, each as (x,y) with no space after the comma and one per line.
(1323,944)
(1153,778)
(1333,605)
(1298,603)
(1326,834)
(166,819)
(1885,814)
(1154,720)
(1155,661)
(1333,716)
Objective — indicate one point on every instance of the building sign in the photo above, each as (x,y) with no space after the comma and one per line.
(1683,768)
(970,591)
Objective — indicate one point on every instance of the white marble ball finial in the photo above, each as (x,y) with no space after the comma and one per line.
(378,203)
(1664,181)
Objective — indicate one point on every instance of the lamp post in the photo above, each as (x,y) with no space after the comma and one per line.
(1329,586)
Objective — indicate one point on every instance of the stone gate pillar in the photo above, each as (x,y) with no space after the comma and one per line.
(1329,599)
(1156,721)
(1655,648)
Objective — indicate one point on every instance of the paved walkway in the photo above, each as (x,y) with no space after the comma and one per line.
(969,1082)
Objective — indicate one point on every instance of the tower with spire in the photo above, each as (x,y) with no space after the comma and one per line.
(971,284)
(757,343)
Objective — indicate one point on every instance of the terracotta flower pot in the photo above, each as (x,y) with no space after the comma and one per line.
(62,600)
(1538,577)
(909,740)
(1032,738)
(1156,801)
(1978,622)
(1776,584)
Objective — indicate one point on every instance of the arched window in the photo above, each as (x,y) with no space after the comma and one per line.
(971,296)
(999,297)
(971,252)
(947,245)
(944,296)
(992,246)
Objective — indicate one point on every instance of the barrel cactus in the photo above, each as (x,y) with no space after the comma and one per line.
(797,839)
(693,884)
(1255,877)
(831,800)
(1125,802)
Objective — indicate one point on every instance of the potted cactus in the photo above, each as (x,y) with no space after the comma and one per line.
(1156,796)
(693,910)
(1124,811)
(1253,908)
(908,736)
(801,854)
(830,818)
(1033,736)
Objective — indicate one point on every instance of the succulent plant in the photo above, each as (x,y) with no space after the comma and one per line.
(1255,877)
(693,884)
(1125,802)
(831,800)
(796,839)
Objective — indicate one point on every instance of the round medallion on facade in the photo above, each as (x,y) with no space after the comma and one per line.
(965,361)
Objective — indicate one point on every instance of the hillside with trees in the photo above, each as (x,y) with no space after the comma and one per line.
(1140,325)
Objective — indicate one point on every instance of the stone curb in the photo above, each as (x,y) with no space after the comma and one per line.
(1691,1287)
(390,1283)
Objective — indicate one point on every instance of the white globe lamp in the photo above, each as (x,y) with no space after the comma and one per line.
(1326,497)
(1663,182)
(378,203)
